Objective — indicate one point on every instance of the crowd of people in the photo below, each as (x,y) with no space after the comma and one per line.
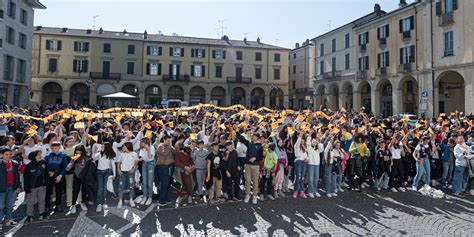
(211,154)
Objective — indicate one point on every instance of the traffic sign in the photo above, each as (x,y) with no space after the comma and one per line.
(424,94)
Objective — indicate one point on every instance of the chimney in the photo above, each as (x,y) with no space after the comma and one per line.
(307,41)
(297,45)
(125,31)
(101,31)
(377,8)
(145,35)
(89,31)
(64,30)
(38,28)
(258,40)
(403,3)
(245,40)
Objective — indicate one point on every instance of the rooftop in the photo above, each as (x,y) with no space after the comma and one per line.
(124,35)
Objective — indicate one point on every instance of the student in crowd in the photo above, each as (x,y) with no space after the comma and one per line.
(9,187)
(35,185)
(56,163)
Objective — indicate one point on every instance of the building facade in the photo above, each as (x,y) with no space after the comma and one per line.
(301,77)
(415,59)
(75,66)
(16,24)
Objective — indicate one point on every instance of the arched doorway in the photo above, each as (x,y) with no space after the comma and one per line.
(365,95)
(238,96)
(276,98)
(52,93)
(323,102)
(197,95)
(79,94)
(153,95)
(104,89)
(131,90)
(176,93)
(451,92)
(218,96)
(258,98)
(409,98)
(334,98)
(348,97)
(386,102)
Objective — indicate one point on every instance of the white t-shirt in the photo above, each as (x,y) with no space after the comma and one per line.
(104,163)
(396,153)
(128,160)
(144,154)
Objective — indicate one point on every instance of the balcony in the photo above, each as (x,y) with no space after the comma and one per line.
(362,75)
(406,35)
(105,75)
(405,68)
(363,47)
(304,91)
(246,80)
(382,72)
(331,75)
(180,78)
(446,19)
(383,42)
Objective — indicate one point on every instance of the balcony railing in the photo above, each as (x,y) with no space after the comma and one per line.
(382,72)
(247,80)
(304,91)
(405,68)
(446,19)
(331,75)
(363,47)
(105,75)
(448,52)
(406,35)
(383,41)
(362,75)
(182,78)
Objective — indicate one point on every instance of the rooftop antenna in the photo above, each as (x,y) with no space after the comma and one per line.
(94,18)
(221,26)
(329,25)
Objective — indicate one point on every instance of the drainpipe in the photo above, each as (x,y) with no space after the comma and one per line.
(432,57)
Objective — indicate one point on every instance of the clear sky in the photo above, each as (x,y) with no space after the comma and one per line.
(280,22)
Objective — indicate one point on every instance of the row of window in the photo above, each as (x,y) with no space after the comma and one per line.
(12,12)
(11,37)
(155,50)
(154,69)
(9,69)
(347,44)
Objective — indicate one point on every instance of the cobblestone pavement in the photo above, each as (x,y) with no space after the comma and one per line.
(375,213)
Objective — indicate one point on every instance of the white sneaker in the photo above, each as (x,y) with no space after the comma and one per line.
(328,195)
(341,190)
(105,206)
(311,195)
(132,203)
(99,208)
(119,205)
(414,188)
(254,200)
(394,190)
(401,189)
(83,206)
(365,185)
(262,198)
(73,209)
(143,201)
(190,200)
(149,201)
(427,187)
(139,199)
(317,194)
(334,194)
(379,189)
(247,199)
(270,197)
(178,200)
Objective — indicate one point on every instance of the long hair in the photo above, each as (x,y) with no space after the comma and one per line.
(129,146)
(48,138)
(108,151)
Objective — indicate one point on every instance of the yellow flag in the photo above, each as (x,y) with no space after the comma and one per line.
(291,131)
(242,125)
(160,122)
(343,110)
(215,115)
(335,130)
(208,114)
(193,136)
(171,124)
(275,125)
(222,126)
(95,138)
(76,156)
(79,125)
(273,134)
(147,125)
(148,133)
(108,124)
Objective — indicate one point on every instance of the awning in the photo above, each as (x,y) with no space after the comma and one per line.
(119,95)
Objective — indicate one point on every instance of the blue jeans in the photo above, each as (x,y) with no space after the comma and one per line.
(242,168)
(339,177)
(102,178)
(300,171)
(148,175)
(7,199)
(382,181)
(127,181)
(116,181)
(313,173)
(460,179)
(447,172)
(329,179)
(423,169)
(165,172)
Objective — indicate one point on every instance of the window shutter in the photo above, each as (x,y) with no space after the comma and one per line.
(86,46)
(387,59)
(367,63)
(387,31)
(455,5)
(203,71)
(177,69)
(401,56)
(203,53)
(76,45)
(148,50)
(223,54)
(412,22)
(84,66)
(438,9)
(360,64)
(170,70)
(378,33)
(171,51)
(159,68)
(48,42)
(182,52)
(74,65)
(367,37)
(192,70)
(401,25)
(213,53)
(378,60)
(412,55)
(360,39)
(148,68)
(192,53)
(60,43)
(160,49)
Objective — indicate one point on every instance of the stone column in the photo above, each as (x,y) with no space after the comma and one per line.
(375,102)
(357,97)
(66,97)
(397,100)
